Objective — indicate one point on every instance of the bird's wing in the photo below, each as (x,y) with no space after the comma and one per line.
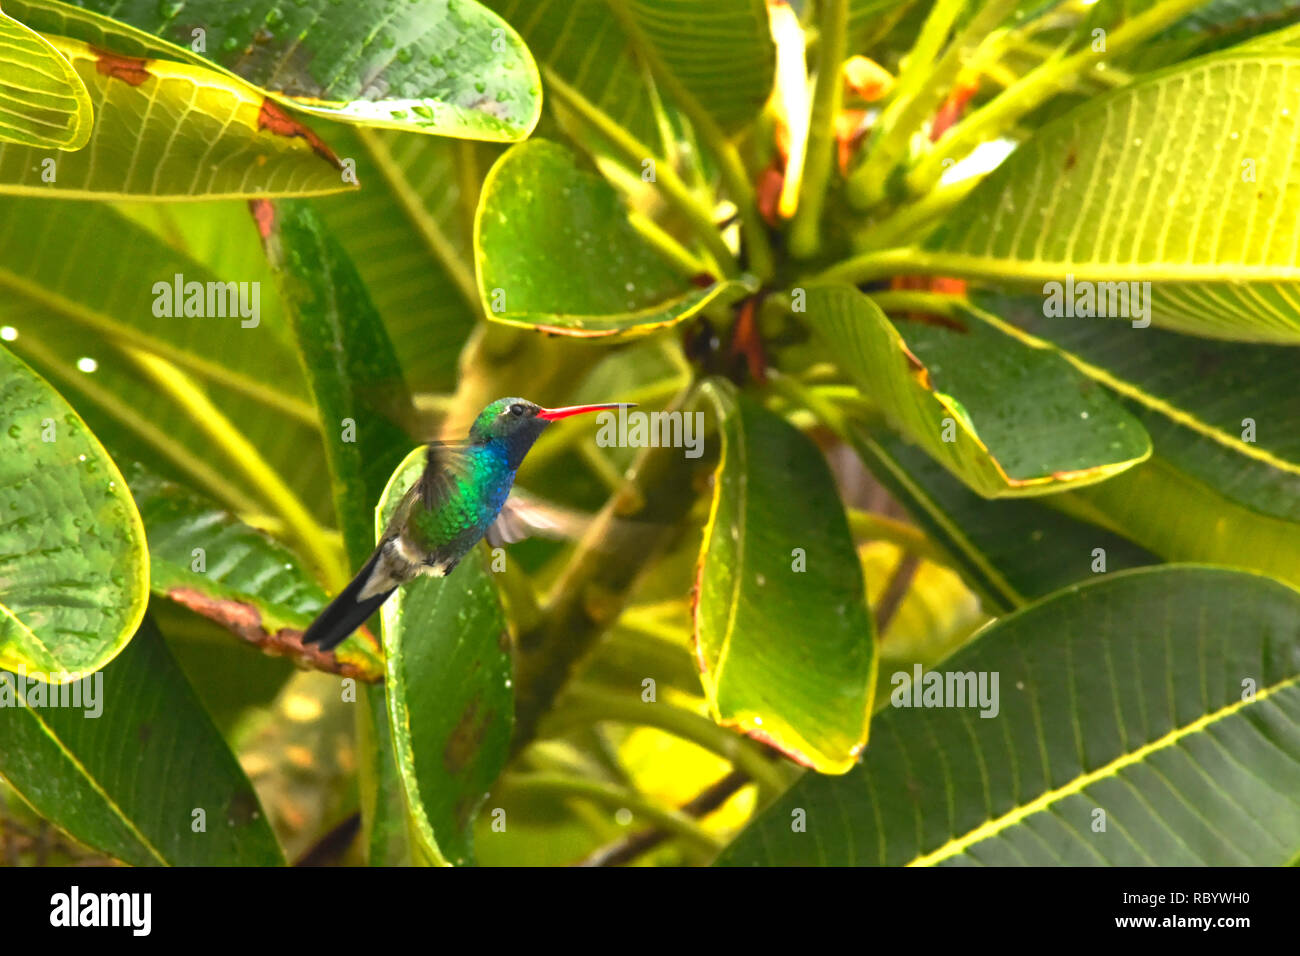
(446,463)
(526,516)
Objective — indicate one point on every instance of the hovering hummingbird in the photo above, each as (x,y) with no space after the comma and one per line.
(459,498)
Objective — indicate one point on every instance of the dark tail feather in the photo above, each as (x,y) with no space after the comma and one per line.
(345,613)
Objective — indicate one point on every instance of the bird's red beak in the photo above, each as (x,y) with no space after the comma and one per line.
(553,414)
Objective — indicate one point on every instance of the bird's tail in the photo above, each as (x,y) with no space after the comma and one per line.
(346,612)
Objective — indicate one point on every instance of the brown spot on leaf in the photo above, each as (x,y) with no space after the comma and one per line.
(1071,159)
(916,368)
(273,118)
(128,69)
(263,211)
(246,621)
(765,738)
(467,738)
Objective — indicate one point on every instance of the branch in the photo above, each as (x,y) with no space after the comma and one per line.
(674,191)
(1036,87)
(805,232)
(729,164)
(617,798)
(629,848)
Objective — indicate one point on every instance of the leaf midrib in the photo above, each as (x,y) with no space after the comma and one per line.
(995,826)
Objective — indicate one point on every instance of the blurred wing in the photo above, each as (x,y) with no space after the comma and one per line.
(525,516)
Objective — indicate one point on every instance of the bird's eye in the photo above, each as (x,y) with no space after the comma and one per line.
(516,409)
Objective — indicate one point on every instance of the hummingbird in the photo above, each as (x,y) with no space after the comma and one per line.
(460,498)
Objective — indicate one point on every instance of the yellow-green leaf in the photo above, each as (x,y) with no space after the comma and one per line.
(450,704)
(782,633)
(167,130)
(1185,179)
(43,102)
(432,66)
(1006,419)
(555,252)
(74,572)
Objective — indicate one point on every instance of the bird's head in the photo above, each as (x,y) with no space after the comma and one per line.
(517,422)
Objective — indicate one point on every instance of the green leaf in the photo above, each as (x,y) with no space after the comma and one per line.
(864,15)
(167,130)
(410,233)
(356,379)
(43,102)
(556,253)
(1010,551)
(1166,698)
(433,66)
(1006,419)
(116,290)
(211,562)
(778,560)
(351,367)
(1286,38)
(129,779)
(1214,25)
(1168,509)
(74,577)
(1224,480)
(95,300)
(448,687)
(385,832)
(1179,179)
(722,53)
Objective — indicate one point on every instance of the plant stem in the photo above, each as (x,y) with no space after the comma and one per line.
(413,205)
(903,223)
(800,395)
(828,94)
(1036,87)
(1043,52)
(674,191)
(889,145)
(900,582)
(729,164)
(874,527)
(246,458)
(914,300)
(876,264)
(614,797)
(681,258)
(629,848)
(593,704)
(468,180)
